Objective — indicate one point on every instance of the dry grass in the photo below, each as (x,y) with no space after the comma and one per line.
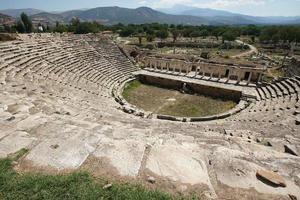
(173,102)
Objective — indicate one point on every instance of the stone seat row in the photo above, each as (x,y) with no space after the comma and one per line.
(282,88)
(73,64)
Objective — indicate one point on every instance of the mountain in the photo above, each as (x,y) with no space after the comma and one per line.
(200,12)
(5,19)
(17,12)
(113,15)
(48,17)
(225,17)
(176,15)
(68,15)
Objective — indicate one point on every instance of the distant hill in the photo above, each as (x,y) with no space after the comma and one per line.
(68,15)
(113,15)
(200,12)
(17,12)
(177,15)
(225,17)
(48,17)
(5,19)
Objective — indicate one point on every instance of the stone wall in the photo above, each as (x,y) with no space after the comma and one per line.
(231,72)
(200,89)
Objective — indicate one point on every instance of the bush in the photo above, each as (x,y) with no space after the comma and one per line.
(86,27)
(6,37)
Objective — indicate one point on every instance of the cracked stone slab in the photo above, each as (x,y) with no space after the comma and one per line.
(125,155)
(60,154)
(31,122)
(178,163)
(15,142)
(233,171)
(3,134)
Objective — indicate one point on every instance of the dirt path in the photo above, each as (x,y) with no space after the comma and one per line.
(253,50)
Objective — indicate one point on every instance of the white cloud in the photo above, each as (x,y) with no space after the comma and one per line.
(228,3)
(170,3)
(208,3)
(142,2)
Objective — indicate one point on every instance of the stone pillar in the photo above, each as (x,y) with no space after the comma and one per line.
(239,78)
(228,77)
(196,72)
(259,77)
(211,75)
(219,75)
(249,79)
(155,65)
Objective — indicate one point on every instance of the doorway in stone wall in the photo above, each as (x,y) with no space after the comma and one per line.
(227,73)
(247,75)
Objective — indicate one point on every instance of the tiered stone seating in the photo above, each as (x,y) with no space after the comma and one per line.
(69,60)
(282,95)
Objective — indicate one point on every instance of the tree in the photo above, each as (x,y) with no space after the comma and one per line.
(60,28)
(216,33)
(204,33)
(252,38)
(86,27)
(27,23)
(175,34)
(229,35)
(150,37)
(162,34)
(267,33)
(20,27)
(73,25)
(195,34)
(140,34)
(250,30)
(126,32)
(7,28)
(48,28)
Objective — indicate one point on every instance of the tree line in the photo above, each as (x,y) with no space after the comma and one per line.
(273,34)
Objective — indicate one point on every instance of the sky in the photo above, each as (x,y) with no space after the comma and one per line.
(249,7)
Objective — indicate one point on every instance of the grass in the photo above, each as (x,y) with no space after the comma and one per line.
(77,185)
(172,102)
(196,106)
(130,87)
(273,73)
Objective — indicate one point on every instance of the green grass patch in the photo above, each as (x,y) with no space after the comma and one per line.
(129,87)
(172,102)
(77,185)
(196,106)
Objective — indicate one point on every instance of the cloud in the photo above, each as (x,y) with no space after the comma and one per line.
(142,2)
(170,3)
(208,3)
(229,3)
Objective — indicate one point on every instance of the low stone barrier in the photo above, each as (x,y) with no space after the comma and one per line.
(128,108)
(166,117)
